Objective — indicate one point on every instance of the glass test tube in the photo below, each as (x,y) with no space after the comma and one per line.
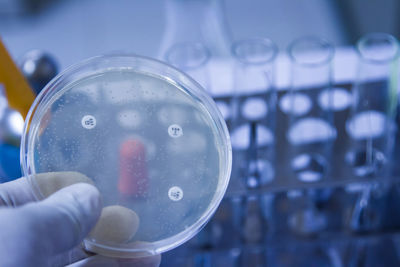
(253,110)
(371,126)
(311,132)
(192,58)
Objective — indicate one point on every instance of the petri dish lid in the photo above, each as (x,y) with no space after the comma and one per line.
(148,136)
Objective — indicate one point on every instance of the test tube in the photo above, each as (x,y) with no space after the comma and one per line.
(253,224)
(191,58)
(371,125)
(310,130)
(254,256)
(253,110)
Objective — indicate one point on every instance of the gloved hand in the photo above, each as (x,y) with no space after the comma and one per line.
(49,232)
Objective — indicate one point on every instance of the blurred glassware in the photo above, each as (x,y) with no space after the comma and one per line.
(310,131)
(253,109)
(255,256)
(371,125)
(191,58)
(254,226)
(38,68)
(381,251)
(196,21)
(303,254)
(306,218)
(364,217)
(202,22)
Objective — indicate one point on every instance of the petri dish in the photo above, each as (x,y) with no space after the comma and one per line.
(149,137)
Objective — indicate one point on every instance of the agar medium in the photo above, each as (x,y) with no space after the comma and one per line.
(146,135)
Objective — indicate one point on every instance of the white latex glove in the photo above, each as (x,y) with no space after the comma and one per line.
(49,232)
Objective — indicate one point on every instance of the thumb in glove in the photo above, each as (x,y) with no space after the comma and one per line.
(38,231)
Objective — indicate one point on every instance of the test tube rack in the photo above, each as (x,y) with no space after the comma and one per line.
(339,220)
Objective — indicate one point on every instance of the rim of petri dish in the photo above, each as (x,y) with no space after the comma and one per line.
(245,50)
(105,63)
(312,44)
(369,50)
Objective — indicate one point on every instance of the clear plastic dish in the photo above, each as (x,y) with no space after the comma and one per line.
(149,137)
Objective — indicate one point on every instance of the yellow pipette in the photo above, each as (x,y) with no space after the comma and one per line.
(19,94)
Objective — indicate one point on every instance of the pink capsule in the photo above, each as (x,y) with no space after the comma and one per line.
(133,175)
